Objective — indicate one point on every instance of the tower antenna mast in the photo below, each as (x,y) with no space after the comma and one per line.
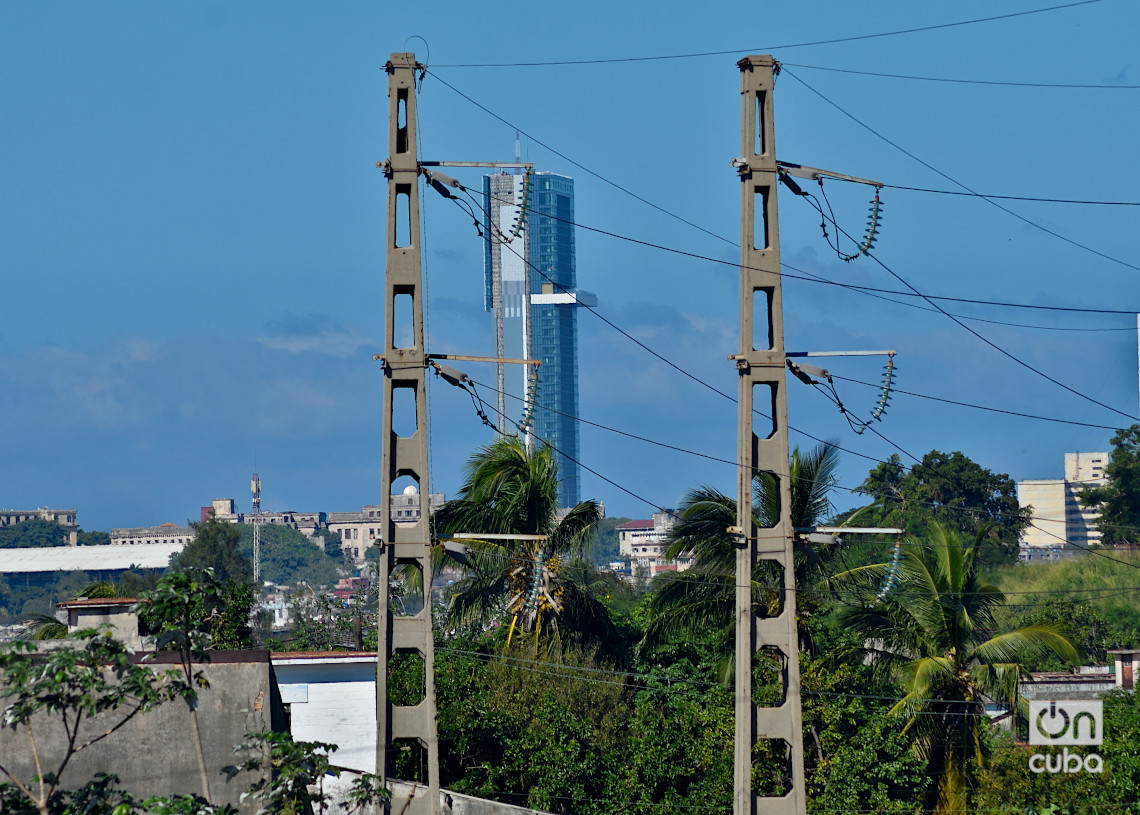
(255,489)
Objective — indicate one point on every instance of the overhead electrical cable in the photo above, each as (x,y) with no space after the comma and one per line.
(810,277)
(955,80)
(981,337)
(979,407)
(769,48)
(1013,357)
(707,456)
(802,274)
(954,181)
(1029,198)
(581,167)
(690,376)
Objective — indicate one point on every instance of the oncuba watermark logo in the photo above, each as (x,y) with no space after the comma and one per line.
(1059,724)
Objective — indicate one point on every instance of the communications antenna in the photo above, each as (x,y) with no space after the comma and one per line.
(255,489)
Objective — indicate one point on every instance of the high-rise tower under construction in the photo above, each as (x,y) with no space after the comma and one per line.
(531,288)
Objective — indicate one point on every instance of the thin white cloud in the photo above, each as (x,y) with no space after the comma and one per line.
(315,334)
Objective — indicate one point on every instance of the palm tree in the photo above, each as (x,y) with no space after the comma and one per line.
(510,490)
(934,634)
(702,600)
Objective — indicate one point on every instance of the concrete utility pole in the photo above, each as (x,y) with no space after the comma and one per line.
(761,365)
(406,543)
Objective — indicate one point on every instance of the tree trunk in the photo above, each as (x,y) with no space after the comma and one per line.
(201,755)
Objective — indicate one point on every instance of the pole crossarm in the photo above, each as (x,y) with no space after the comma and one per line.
(761,368)
(815,174)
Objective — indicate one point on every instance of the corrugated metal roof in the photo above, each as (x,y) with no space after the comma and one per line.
(87,558)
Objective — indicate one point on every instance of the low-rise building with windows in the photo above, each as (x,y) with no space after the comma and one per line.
(167,533)
(67,518)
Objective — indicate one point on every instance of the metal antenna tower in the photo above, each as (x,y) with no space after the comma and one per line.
(255,489)
(761,367)
(405,544)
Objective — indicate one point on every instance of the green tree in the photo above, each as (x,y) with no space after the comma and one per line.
(701,601)
(604,545)
(1084,624)
(952,491)
(290,777)
(1119,499)
(92,538)
(509,490)
(216,546)
(934,634)
(183,611)
(73,686)
(34,532)
(288,557)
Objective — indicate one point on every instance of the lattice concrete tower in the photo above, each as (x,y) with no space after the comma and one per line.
(761,366)
(410,726)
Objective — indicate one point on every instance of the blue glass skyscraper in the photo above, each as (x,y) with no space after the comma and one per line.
(531,288)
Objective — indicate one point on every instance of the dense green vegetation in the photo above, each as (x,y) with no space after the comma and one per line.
(288,557)
(1109,585)
(951,490)
(37,532)
(33,533)
(562,688)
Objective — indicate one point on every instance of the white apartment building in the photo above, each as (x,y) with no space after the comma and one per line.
(1058,518)
(644,544)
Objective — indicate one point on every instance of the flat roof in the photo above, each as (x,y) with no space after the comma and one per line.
(104,557)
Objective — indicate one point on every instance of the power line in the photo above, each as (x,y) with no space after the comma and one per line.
(667,361)
(802,274)
(696,379)
(977,407)
(954,181)
(809,277)
(582,167)
(913,293)
(766,49)
(981,337)
(1033,522)
(1016,197)
(970,82)
(705,384)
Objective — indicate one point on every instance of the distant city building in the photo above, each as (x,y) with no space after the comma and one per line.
(1059,522)
(359,530)
(530,285)
(67,518)
(644,543)
(167,533)
(224,509)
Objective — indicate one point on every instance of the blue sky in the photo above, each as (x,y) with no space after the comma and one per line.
(191,235)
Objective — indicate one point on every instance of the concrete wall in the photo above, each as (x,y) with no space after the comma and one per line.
(154,753)
(450,803)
